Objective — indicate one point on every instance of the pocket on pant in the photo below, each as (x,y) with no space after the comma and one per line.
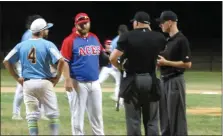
(175,86)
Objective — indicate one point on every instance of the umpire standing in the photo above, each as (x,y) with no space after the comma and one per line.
(173,61)
(141,48)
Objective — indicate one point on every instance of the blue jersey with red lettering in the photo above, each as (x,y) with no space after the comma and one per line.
(82,54)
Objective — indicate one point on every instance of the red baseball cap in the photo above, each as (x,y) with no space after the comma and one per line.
(81,18)
(108,41)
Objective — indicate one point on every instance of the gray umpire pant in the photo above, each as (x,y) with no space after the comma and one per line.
(173,107)
(135,105)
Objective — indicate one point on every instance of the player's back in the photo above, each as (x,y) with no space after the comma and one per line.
(35,58)
(26,36)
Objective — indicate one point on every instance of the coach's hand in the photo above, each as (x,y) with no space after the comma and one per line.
(68,84)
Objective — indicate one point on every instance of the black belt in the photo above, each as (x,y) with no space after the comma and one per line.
(26,79)
(171,75)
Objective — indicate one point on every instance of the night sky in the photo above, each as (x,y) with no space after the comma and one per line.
(197,20)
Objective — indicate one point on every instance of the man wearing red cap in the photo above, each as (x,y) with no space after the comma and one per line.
(81,50)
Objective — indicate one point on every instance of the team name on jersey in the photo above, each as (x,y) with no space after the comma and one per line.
(89,50)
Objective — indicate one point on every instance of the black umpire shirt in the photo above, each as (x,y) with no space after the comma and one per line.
(177,49)
(141,47)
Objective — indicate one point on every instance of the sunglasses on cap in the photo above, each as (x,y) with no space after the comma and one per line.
(81,18)
(108,42)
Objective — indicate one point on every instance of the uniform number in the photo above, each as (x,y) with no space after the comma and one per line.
(32,55)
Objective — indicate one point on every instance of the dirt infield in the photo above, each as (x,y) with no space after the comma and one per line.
(205,111)
(106,89)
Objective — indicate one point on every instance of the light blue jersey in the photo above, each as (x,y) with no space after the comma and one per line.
(26,36)
(35,56)
(113,46)
(114,43)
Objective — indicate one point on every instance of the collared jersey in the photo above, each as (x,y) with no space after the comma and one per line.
(141,47)
(26,36)
(176,49)
(114,43)
(82,54)
(35,56)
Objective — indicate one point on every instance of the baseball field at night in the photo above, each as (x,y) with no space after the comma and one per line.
(203,107)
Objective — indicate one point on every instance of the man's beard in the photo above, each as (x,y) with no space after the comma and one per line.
(45,36)
(83,31)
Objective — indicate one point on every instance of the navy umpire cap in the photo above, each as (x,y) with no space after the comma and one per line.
(141,17)
(166,16)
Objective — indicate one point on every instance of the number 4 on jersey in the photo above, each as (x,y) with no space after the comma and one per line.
(32,55)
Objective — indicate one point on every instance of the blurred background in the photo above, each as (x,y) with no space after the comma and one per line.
(201,23)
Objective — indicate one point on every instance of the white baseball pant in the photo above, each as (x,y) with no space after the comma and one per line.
(88,96)
(69,94)
(18,98)
(40,91)
(106,72)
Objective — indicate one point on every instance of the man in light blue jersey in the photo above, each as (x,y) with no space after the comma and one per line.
(18,98)
(36,55)
(114,42)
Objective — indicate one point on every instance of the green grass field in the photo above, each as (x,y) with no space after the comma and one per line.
(195,80)
(114,122)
